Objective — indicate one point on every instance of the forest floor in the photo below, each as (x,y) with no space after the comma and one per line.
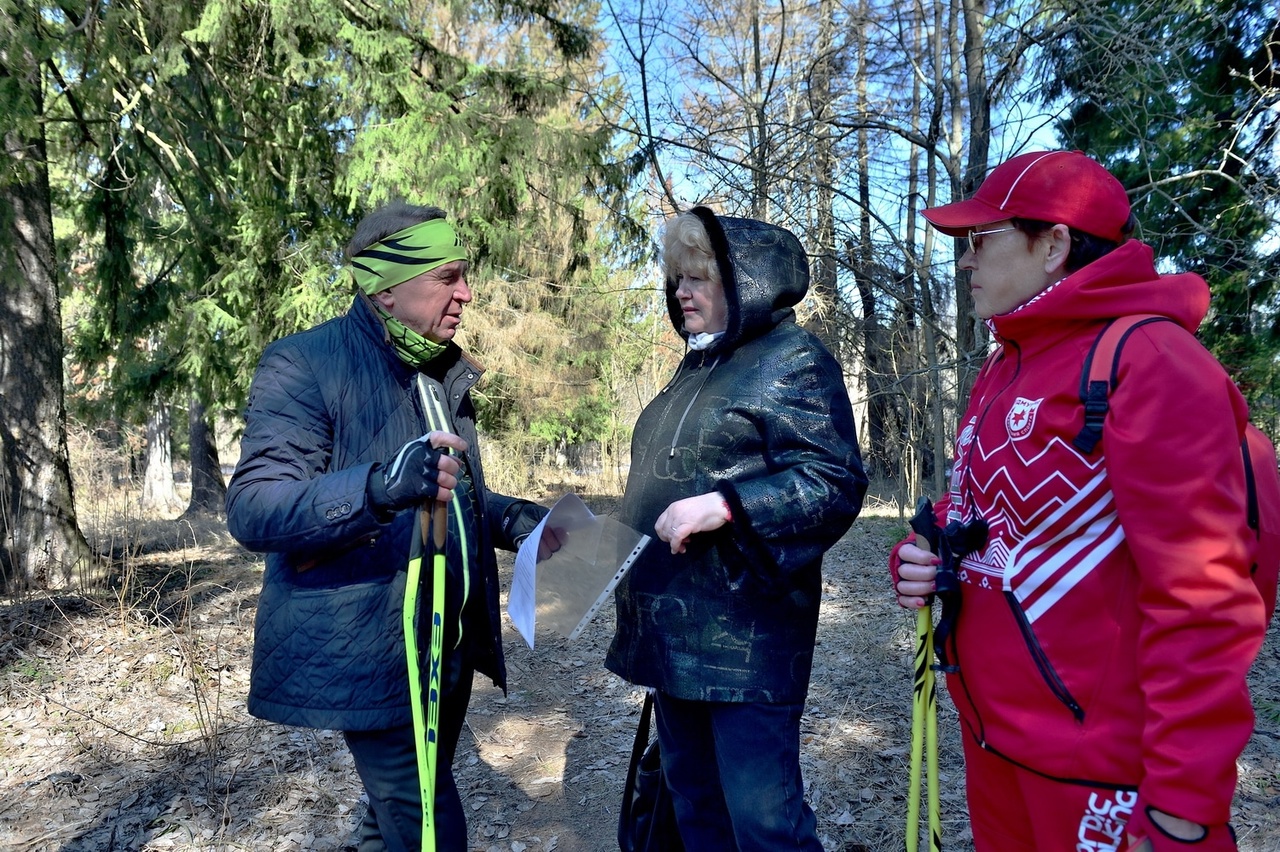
(123,723)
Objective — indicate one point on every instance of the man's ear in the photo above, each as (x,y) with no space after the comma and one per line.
(1058,240)
(385,299)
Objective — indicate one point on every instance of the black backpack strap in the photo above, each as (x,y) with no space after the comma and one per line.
(1251,489)
(1100,373)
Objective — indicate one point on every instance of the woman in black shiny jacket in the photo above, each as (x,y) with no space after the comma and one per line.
(747,466)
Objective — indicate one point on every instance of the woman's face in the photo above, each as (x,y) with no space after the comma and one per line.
(703,303)
(1007,270)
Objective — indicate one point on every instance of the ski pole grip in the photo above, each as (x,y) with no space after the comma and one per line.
(439,520)
(439,524)
(923,525)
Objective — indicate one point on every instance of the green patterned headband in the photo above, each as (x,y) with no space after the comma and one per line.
(405,254)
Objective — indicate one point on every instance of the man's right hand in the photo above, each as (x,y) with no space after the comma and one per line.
(916,575)
(421,470)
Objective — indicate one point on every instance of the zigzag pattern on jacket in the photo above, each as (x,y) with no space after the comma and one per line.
(1073,529)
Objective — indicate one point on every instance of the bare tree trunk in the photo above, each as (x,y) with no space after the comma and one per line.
(971,332)
(930,319)
(158,491)
(823,289)
(40,542)
(882,448)
(208,488)
(759,130)
(926,409)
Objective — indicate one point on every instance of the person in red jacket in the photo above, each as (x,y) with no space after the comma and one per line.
(1106,620)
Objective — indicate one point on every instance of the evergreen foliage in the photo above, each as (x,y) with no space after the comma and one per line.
(208,161)
(217,154)
(1178,100)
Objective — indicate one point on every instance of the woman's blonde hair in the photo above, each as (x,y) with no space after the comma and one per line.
(687,248)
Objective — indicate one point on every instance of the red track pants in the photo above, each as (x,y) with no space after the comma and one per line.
(1015,810)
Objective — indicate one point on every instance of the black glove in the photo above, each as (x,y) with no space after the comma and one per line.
(520,518)
(407,480)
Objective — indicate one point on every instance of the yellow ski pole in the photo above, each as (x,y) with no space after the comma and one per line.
(924,633)
(426,719)
(924,707)
(931,743)
(439,530)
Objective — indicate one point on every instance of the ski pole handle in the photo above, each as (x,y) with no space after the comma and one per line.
(923,525)
(439,525)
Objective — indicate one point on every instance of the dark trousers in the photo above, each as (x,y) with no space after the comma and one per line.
(388,766)
(734,774)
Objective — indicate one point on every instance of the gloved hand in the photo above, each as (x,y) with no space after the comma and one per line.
(421,470)
(520,518)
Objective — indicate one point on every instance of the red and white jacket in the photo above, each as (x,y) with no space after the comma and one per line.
(1107,626)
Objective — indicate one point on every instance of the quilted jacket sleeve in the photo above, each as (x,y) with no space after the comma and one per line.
(1173,456)
(283,497)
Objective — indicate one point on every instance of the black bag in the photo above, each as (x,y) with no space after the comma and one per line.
(647,822)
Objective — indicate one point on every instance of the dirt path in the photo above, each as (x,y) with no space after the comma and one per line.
(124,728)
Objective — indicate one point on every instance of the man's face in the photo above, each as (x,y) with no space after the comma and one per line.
(430,303)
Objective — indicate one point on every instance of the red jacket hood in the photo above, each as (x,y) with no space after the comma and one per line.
(1121,283)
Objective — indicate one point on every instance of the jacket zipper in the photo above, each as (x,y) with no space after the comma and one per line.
(1051,678)
(1047,672)
(675,439)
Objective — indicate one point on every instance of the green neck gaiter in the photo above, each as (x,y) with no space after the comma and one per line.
(410,347)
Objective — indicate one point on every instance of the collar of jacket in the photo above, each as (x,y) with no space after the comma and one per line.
(1123,282)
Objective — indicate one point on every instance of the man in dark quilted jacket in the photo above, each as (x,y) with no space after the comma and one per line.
(354,428)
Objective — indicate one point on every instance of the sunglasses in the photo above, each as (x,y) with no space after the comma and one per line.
(975,237)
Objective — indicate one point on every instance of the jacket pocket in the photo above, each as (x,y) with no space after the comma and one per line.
(1041,660)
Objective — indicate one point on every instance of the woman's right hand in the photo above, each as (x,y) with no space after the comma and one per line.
(683,518)
(917,573)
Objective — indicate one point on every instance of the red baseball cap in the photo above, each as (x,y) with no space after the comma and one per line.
(1062,187)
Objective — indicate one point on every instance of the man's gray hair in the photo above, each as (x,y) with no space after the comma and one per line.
(386,220)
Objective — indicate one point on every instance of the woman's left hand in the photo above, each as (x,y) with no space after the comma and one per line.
(691,515)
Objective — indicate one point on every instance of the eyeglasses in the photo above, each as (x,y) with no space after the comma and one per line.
(975,237)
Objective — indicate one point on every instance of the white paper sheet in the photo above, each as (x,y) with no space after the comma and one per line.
(565,590)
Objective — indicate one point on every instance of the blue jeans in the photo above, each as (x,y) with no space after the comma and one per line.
(734,774)
(387,762)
